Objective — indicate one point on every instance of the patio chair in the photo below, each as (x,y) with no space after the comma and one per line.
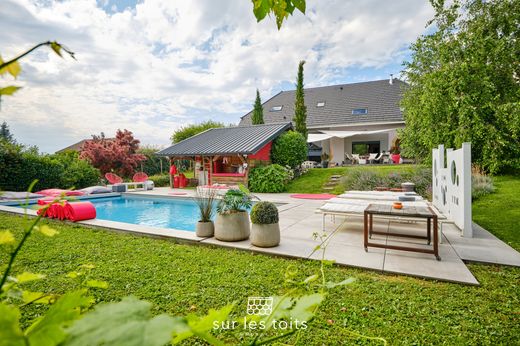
(372,157)
(350,158)
(140,177)
(378,158)
(356,158)
(113,179)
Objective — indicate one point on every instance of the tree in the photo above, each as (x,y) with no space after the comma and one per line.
(258,111)
(191,130)
(5,133)
(464,84)
(117,155)
(300,110)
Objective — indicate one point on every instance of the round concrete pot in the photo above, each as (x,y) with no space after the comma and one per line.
(232,226)
(265,235)
(204,229)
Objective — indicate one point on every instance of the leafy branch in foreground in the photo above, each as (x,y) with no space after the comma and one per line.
(279,8)
(13,67)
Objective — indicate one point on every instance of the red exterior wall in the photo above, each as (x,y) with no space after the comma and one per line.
(263,154)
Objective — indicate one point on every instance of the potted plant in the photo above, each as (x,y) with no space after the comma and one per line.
(395,150)
(205,201)
(265,231)
(325,160)
(232,222)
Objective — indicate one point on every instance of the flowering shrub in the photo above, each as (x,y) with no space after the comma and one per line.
(272,178)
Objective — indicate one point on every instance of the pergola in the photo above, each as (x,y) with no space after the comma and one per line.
(225,155)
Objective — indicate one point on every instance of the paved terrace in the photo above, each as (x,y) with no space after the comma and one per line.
(299,221)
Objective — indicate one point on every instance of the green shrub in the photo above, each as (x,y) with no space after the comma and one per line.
(272,178)
(481,185)
(290,149)
(235,200)
(160,180)
(77,173)
(264,213)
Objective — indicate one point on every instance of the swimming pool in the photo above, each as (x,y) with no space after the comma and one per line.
(178,213)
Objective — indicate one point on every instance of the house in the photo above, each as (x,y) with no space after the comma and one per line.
(225,155)
(78,146)
(359,118)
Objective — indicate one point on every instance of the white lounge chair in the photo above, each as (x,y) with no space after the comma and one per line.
(372,157)
(350,158)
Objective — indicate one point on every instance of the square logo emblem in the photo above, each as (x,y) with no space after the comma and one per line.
(262,306)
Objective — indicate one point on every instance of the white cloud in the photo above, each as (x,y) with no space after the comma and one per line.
(162,64)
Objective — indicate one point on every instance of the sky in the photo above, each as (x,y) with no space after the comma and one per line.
(152,66)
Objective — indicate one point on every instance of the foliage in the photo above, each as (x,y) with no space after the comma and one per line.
(205,200)
(481,183)
(258,111)
(280,9)
(364,179)
(5,133)
(464,84)
(155,270)
(300,109)
(160,180)
(77,173)
(191,130)
(13,67)
(264,213)
(151,165)
(271,178)
(396,146)
(235,200)
(290,149)
(117,155)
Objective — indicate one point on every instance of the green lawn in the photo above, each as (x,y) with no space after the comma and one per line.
(313,181)
(180,279)
(500,212)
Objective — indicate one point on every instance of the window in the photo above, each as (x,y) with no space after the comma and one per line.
(359,111)
(320,104)
(365,148)
(276,109)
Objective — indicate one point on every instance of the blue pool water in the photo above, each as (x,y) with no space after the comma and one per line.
(175,213)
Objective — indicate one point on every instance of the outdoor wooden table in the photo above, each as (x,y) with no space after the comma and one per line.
(408,212)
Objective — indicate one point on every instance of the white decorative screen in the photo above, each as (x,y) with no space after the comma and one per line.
(451,185)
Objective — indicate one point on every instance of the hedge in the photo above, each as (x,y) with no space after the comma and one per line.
(20,167)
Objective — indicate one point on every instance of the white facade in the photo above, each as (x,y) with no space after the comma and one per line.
(337,147)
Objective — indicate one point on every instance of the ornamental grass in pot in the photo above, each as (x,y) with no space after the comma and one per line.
(265,231)
(205,201)
(232,222)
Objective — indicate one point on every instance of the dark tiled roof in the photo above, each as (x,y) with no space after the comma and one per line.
(227,140)
(380,98)
(79,145)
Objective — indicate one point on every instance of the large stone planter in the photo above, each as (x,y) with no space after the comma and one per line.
(204,229)
(265,235)
(232,227)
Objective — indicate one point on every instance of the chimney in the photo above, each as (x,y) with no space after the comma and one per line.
(391,80)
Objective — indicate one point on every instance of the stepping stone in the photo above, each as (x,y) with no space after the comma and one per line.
(328,188)
(335,176)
